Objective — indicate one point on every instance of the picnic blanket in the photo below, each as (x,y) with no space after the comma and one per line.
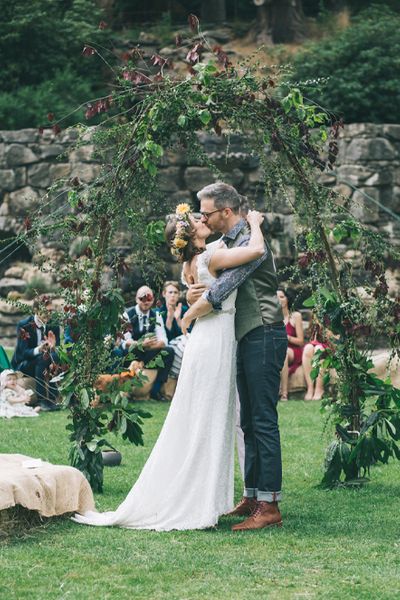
(38,485)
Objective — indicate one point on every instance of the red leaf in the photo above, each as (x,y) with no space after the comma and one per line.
(50,116)
(56,129)
(27,224)
(193,56)
(88,51)
(41,130)
(194,22)
(178,40)
(158,60)
(103,25)
(222,57)
(23,334)
(136,77)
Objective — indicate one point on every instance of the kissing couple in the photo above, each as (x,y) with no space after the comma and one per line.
(188,480)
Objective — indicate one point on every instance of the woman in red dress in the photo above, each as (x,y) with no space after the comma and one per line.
(319,340)
(294,329)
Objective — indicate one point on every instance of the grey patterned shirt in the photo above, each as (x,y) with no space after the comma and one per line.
(231,279)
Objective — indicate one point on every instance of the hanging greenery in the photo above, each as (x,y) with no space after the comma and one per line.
(158,107)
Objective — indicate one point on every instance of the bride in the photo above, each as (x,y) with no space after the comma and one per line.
(187,482)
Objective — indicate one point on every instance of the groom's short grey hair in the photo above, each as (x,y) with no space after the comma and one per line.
(223,194)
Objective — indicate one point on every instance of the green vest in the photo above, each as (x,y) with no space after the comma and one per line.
(257,303)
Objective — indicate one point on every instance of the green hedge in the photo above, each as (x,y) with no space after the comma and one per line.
(362,68)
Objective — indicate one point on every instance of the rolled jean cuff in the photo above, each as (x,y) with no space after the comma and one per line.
(250,492)
(269,496)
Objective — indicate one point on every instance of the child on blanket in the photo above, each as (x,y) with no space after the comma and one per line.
(13,397)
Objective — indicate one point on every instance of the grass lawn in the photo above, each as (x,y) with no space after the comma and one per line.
(337,544)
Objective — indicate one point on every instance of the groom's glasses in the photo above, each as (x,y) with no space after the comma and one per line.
(206,215)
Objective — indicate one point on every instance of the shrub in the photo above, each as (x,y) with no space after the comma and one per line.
(29,105)
(362,66)
(41,43)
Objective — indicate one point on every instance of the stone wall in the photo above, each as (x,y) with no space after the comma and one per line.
(367,174)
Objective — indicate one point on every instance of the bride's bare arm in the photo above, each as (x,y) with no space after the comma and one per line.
(224,258)
(200,308)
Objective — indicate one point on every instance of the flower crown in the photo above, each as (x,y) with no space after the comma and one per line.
(183,227)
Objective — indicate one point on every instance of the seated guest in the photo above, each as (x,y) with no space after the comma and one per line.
(320,339)
(172,312)
(37,340)
(13,397)
(148,338)
(294,329)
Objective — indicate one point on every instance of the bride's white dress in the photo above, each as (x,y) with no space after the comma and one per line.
(187,482)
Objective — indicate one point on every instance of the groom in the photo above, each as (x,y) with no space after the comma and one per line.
(262,345)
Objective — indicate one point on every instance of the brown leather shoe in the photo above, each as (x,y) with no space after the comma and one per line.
(266,514)
(244,508)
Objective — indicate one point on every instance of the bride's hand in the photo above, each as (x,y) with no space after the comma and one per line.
(185,324)
(254,217)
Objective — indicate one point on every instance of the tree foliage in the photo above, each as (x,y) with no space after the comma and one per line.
(359,69)
(41,44)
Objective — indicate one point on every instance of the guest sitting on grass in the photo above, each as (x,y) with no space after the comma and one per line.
(37,339)
(13,397)
(320,339)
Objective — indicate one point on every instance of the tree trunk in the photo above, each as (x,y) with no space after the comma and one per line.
(287,21)
(213,11)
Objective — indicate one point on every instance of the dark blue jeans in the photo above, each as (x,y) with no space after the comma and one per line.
(260,358)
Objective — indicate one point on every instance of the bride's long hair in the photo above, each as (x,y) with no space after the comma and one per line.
(190,250)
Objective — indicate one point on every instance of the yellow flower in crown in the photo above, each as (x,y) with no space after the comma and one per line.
(183,209)
(179,243)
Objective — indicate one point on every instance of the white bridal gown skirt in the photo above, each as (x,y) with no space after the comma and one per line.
(187,482)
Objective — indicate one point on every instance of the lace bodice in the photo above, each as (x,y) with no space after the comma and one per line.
(204,275)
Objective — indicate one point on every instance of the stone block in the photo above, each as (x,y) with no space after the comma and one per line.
(8,284)
(361,129)
(59,171)
(38,175)
(10,309)
(22,201)
(370,149)
(21,136)
(20,176)
(15,271)
(85,171)
(233,177)
(181,196)
(392,131)
(354,174)
(327,179)
(4,208)
(69,135)
(364,209)
(390,198)
(198,177)
(168,179)
(7,180)
(51,150)
(2,153)
(17,154)
(82,154)
(381,177)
